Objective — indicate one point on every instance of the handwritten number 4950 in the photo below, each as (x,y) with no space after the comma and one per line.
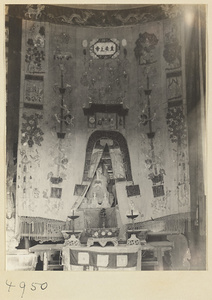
(22,285)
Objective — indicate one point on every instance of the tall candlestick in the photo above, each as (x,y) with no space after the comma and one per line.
(147,82)
(61,78)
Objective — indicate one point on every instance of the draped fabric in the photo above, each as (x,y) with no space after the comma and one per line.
(195,36)
(117,163)
(41,229)
(109,260)
(95,159)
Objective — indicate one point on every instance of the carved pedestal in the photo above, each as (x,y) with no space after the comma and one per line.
(133,240)
(72,241)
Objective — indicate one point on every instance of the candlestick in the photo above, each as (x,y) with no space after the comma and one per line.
(61,78)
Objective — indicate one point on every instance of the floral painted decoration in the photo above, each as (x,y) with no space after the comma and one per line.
(102,232)
(172,10)
(31,133)
(145,46)
(35,51)
(172,47)
(172,52)
(176,124)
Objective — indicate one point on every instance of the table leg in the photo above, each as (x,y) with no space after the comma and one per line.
(45,261)
(138,267)
(160,259)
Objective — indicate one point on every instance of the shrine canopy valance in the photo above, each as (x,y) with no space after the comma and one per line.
(105,108)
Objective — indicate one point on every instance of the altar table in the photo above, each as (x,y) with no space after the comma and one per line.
(83,258)
(45,251)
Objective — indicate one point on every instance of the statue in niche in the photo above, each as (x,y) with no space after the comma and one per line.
(98,195)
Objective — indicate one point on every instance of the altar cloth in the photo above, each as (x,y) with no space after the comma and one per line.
(98,257)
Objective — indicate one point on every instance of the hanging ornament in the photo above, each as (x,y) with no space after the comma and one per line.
(84,43)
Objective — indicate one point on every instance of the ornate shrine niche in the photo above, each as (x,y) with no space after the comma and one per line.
(118,142)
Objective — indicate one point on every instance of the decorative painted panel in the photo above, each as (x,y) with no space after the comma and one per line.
(106,81)
(172,45)
(174,85)
(34,91)
(104,48)
(56,192)
(106,121)
(79,189)
(35,48)
(133,190)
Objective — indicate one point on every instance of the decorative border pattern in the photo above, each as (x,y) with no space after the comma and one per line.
(88,17)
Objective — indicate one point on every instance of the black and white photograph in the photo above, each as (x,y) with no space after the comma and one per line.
(106,109)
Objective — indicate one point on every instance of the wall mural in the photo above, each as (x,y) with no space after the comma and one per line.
(105,84)
(146,53)
(156,175)
(31,189)
(46,194)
